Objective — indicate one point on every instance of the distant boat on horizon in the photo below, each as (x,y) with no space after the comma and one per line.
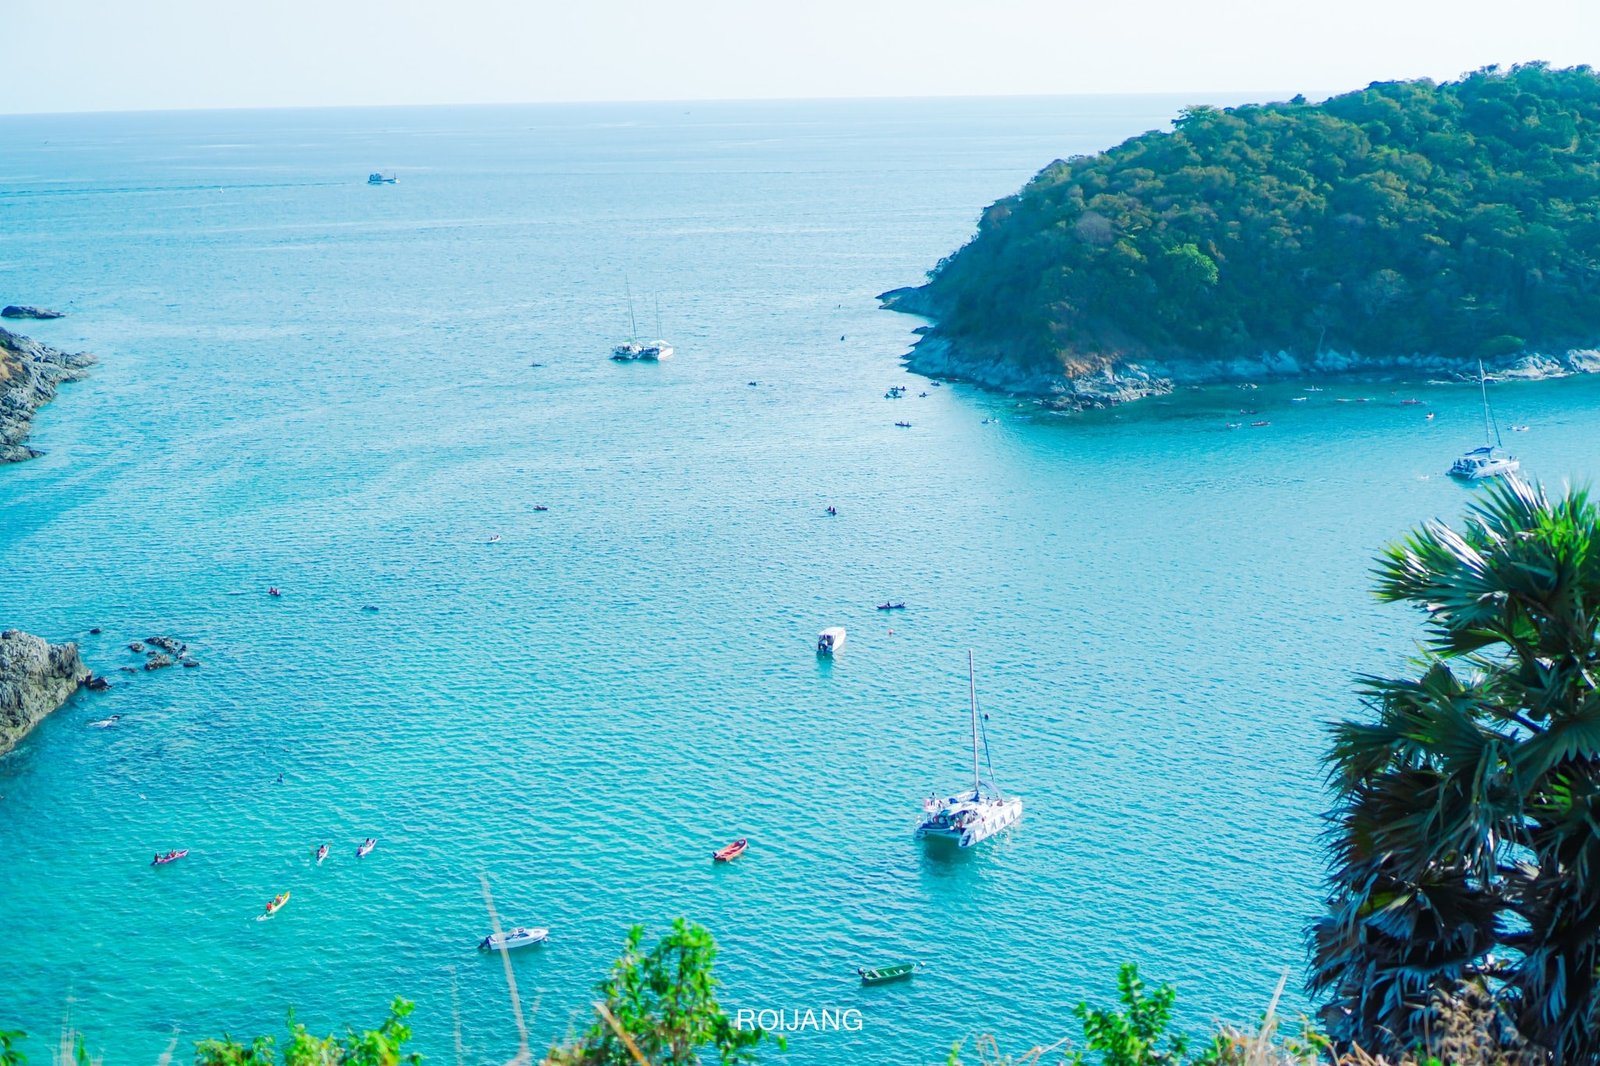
(378,177)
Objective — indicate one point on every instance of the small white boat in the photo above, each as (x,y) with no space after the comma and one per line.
(513,938)
(830,640)
(1489,460)
(366,847)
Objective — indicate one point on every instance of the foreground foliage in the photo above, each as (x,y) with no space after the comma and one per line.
(1466,833)
(383,1046)
(1458,218)
(659,1007)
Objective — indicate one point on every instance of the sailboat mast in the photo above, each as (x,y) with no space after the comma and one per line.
(633,327)
(1490,436)
(658,316)
(972,696)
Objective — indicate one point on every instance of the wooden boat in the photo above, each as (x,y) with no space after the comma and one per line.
(171,856)
(732,851)
(882,975)
(513,938)
(276,905)
(366,847)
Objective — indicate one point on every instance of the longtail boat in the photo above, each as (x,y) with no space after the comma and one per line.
(732,851)
(884,974)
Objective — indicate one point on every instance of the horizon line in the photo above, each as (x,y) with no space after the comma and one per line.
(1266,96)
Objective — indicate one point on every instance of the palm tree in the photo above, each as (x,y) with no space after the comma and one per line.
(1465,836)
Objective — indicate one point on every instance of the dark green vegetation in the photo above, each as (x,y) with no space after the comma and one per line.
(383,1046)
(660,1007)
(1457,220)
(1466,836)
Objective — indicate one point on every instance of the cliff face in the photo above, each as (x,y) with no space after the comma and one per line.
(36,677)
(29,374)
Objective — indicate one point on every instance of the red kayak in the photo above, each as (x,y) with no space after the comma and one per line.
(171,856)
(732,851)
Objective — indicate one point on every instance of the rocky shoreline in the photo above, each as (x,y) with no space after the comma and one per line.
(36,677)
(29,374)
(1108,383)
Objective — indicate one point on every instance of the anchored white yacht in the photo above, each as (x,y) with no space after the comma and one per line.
(632,351)
(970,817)
(1490,460)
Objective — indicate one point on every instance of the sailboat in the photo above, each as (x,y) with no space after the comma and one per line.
(657,349)
(1490,460)
(969,818)
(633,351)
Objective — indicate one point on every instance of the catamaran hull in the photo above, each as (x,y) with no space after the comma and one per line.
(1008,815)
(1488,470)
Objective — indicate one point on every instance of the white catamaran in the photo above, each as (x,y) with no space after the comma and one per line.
(633,351)
(969,818)
(1491,460)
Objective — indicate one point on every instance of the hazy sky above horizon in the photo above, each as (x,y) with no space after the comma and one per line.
(92,55)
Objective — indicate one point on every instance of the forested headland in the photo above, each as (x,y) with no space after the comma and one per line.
(1410,224)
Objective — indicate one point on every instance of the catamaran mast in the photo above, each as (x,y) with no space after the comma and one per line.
(633,327)
(972,695)
(1483,387)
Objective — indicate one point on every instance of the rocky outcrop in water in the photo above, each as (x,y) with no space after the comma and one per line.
(25,311)
(36,677)
(29,374)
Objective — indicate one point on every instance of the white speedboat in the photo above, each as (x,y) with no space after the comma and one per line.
(513,938)
(1490,460)
(830,640)
(970,816)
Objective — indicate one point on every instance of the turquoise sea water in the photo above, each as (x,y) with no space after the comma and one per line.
(310,383)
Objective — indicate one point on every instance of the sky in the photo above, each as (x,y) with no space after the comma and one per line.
(112,55)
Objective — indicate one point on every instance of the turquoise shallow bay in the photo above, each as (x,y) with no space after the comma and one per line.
(315,384)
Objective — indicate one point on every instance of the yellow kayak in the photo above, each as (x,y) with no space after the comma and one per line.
(274,907)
